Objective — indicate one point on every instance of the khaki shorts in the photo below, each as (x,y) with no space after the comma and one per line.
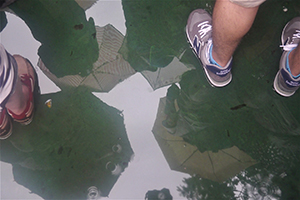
(248,3)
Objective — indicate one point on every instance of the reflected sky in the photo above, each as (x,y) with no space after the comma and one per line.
(132,95)
(260,132)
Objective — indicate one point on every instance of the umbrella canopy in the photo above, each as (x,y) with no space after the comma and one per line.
(76,147)
(155,43)
(184,157)
(108,70)
(167,75)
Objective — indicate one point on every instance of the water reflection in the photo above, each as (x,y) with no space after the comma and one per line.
(154,43)
(254,183)
(163,194)
(77,143)
(217,165)
(78,147)
(109,69)
(197,121)
(93,193)
(68,40)
(247,115)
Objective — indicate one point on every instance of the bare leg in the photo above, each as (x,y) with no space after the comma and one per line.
(18,100)
(294,61)
(230,23)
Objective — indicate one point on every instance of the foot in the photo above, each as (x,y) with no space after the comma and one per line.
(5,125)
(27,76)
(285,83)
(199,34)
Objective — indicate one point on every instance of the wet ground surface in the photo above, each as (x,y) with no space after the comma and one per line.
(197,142)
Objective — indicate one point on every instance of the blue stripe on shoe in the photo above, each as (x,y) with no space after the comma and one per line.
(288,65)
(211,60)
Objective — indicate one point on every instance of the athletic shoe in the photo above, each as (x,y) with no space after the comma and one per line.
(5,125)
(26,116)
(199,34)
(285,83)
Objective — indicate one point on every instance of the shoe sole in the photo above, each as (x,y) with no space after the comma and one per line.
(3,137)
(277,88)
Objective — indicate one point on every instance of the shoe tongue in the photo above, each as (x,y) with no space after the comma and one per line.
(207,36)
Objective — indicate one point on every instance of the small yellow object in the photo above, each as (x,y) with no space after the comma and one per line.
(49,103)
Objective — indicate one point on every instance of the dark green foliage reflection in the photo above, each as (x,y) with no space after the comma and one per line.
(77,143)
(68,44)
(247,113)
(155,31)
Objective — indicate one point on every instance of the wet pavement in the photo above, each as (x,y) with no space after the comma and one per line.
(144,134)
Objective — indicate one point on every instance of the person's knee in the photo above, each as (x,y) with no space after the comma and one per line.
(248,3)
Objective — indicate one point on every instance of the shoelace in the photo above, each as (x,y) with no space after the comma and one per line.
(205,27)
(288,46)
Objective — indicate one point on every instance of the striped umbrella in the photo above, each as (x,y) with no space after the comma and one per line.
(184,157)
(110,68)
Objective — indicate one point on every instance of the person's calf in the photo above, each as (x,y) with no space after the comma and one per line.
(230,22)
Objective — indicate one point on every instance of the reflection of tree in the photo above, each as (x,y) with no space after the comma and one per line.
(155,43)
(254,183)
(77,143)
(155,31)
(197,188)
(247,114)
(79,146)
(3,20)
(276,153)
(107,71)
(68,40)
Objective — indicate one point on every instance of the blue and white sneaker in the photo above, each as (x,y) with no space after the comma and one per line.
(199,34)
(285,83)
